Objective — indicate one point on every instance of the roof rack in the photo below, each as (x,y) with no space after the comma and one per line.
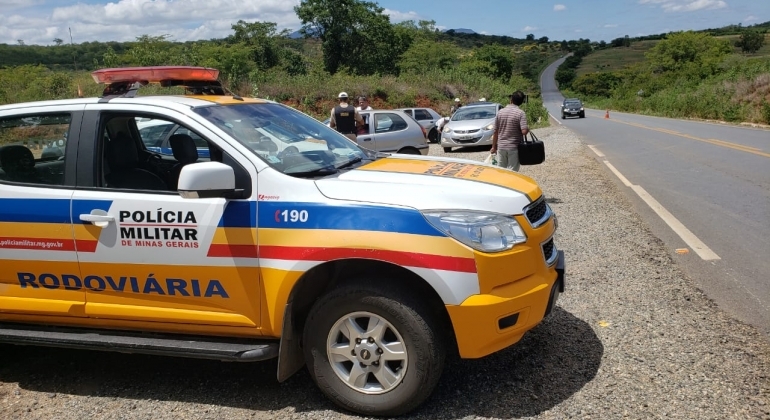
(125,82)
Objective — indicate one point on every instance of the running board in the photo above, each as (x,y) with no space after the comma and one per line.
(200,347)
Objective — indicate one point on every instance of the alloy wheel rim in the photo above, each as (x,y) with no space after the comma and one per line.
(367,353)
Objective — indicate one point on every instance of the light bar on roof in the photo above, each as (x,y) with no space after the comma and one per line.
(155,74)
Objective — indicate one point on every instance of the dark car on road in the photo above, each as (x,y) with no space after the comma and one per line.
(572,108)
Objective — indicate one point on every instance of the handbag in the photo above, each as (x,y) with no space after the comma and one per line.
(532,151)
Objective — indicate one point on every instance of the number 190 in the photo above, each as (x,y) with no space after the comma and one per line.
(294,216)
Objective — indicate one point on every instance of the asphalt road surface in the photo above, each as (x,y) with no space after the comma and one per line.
(704,189)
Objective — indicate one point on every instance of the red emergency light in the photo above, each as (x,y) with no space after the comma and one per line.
(156,74)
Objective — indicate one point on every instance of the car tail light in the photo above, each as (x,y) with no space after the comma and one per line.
(424,133)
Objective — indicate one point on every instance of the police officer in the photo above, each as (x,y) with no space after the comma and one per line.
(345,118)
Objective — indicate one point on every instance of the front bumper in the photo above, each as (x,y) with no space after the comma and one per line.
(487,323)
(482,138)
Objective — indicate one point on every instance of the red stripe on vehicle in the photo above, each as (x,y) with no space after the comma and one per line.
(86,246)
(37,244)
(409,259)
(236,251)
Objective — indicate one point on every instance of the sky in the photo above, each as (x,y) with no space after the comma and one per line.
(41,21)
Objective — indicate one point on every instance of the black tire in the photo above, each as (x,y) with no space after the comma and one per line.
(582,115)
(564,117)
(447,149)
(409,151)
(433,136)
(424,346)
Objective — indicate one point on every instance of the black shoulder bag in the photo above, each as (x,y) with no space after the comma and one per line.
(532,151)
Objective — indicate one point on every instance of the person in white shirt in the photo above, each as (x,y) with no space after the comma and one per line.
(440,123)
(363,104)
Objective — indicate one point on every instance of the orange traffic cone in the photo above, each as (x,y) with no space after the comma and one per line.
(607,115)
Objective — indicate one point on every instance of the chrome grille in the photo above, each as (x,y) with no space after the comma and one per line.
(550,253)
(538,212)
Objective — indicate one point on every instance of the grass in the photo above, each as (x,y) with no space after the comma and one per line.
(613,59)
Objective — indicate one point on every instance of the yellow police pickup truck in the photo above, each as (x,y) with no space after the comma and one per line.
(260,233)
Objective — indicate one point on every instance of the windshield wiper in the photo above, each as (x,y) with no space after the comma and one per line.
(351,162)
(326,170)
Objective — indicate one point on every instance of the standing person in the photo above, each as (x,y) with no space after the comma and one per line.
(345,118)
(456,106)
(363,104)
(510,129)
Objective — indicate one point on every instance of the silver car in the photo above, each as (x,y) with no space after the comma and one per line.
(471,125)
(392,131)
(427,118)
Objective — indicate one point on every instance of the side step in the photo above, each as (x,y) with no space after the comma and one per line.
(200,347)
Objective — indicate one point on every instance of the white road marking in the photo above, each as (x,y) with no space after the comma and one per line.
(554,118)
(617,173)
(595,150)
(688,237)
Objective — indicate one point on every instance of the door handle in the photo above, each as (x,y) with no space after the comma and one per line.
(366,139)
(98,218)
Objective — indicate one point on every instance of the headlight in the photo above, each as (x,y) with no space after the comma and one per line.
(447,130)
(581,109)
(484,232)
(490,127)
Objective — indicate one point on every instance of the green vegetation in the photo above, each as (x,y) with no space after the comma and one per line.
(349,45)
(682,75)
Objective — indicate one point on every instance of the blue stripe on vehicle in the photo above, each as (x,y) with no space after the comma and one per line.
(284,215)
(85,206)
(239,214)
(35,210)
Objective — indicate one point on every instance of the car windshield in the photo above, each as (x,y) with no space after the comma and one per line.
(475,113)
(286,139)
(574,104)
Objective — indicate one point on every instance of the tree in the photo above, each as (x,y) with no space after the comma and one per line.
(354,34)
(151,51)
(425,55)
(493,60)
(690,53)
(530,37)
(58,41)
(751,41)
(260,38)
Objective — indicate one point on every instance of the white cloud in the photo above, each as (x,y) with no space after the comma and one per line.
(686,5)
(559,7)
(396,16)
(124,20)
(750,19)
(611,25)
(529,28)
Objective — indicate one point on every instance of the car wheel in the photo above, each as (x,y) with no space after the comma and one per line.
(409,151)
(582,115)
(564,117)
(373,350)
(433,136)
(447,149)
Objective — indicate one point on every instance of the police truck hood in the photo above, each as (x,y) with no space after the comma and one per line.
(425,182)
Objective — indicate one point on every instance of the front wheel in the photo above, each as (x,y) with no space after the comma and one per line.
(447,149)
(433,136)
(373,350)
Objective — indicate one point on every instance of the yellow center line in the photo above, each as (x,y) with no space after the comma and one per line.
(716,142)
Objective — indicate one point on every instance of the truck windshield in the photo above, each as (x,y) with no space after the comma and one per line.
(286,139)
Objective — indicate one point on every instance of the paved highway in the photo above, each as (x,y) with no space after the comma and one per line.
(704,189)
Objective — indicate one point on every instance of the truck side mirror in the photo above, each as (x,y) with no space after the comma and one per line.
(207,180)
